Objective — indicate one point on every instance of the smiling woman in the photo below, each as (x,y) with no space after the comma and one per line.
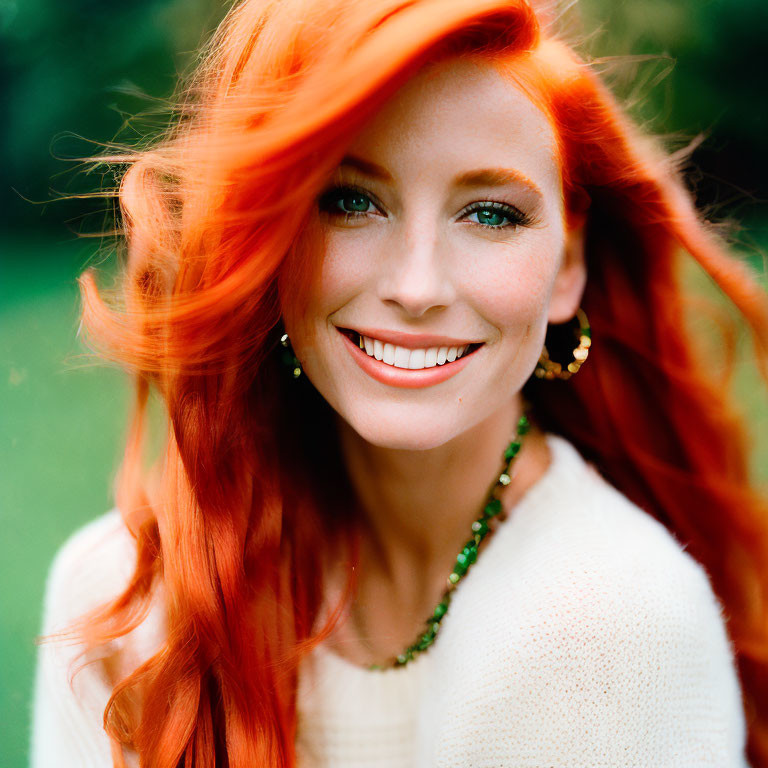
(457,229)
(483,505)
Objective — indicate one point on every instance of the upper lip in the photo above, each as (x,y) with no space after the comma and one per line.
(411,340)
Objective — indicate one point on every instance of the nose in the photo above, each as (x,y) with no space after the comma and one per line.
(416,274)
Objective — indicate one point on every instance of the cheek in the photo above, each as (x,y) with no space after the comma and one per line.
(512,294)
(516,296)
(344,271)
(333,284)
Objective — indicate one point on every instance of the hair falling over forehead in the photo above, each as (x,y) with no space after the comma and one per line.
(215,219)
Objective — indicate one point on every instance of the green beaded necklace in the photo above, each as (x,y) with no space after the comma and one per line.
(480,529)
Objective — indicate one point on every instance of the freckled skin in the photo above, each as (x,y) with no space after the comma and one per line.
(412,264)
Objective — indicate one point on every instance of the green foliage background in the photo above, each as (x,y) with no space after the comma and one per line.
(79,69)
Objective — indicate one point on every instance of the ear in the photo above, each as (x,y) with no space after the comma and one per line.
(571,277)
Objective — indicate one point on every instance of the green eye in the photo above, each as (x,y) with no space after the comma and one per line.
(356,202)
(353,202)
(490,218)
(347,201)
(492,215)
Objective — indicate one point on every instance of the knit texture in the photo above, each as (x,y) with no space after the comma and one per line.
(584,636)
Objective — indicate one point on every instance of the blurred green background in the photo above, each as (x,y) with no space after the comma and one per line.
(77,72)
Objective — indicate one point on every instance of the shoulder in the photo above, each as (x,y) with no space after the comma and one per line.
(591,558)
(592,616)
(92,565)
(574,537)
(72,685)
(577,525)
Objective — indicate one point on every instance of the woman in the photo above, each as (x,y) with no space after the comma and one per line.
(469,255)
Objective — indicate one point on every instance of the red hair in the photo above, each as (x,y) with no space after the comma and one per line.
(216,223)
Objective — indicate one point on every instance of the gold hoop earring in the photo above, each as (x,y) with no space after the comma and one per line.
(547,368)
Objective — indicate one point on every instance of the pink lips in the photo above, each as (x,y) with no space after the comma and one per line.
(403,377)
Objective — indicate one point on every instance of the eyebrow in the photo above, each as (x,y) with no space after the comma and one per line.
(481,177)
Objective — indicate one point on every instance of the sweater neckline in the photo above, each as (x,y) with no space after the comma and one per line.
(561,452)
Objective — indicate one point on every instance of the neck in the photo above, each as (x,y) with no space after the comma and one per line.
(417,507)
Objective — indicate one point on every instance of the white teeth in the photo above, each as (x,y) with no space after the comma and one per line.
(417,358)
(413,359)
(402,357)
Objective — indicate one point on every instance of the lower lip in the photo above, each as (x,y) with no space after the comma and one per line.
(403,377)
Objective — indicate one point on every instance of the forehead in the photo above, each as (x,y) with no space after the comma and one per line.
(458,115)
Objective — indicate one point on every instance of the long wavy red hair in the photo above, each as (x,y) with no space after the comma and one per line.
(216,217)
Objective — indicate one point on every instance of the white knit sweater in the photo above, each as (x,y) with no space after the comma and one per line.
(584,636)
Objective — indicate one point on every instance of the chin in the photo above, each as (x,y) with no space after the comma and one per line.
(399,437)
(413,428)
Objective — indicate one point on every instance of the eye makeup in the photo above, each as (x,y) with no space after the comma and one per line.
(329,200)
(514,215)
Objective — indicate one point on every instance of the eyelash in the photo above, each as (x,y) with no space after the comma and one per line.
(515,217)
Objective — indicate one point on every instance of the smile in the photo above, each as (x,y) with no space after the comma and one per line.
(404,357)
(410,367)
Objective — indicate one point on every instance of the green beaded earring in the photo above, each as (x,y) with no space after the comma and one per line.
(289,358)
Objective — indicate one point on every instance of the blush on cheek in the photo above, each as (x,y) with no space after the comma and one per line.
(515,302)
(343,275)
(525,272)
